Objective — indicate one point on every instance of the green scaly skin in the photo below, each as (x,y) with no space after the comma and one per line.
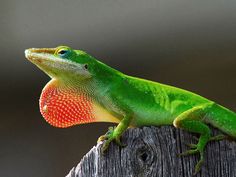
(136,102)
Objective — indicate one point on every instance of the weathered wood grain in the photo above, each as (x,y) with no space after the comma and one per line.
(152,151)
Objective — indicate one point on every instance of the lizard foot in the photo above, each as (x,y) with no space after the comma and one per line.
(108,138)
(195,148)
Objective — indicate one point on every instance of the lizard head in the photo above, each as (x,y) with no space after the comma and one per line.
(62,103)
(66,100)
(62,62)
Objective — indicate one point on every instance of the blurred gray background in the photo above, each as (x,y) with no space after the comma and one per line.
(186,43)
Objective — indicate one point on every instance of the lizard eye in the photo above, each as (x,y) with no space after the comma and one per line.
(63,52)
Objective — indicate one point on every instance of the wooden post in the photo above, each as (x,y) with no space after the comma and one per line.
(152,151)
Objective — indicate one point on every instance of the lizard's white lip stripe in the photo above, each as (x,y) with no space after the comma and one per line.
(47,57)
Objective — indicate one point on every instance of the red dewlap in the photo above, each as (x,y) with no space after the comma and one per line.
(64,107)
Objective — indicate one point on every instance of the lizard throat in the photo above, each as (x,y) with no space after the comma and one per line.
(63,106)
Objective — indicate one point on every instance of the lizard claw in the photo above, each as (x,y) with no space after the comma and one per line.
(192,146)
(195,149)
(106,145)
(108,138)
(102,138)
(199,164)
(189,152)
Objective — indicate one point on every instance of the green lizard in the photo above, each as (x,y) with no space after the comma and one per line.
(84,90)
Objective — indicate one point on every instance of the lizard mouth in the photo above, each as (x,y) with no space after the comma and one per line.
(34,54)
(52,65)
(40,55)
(45,57)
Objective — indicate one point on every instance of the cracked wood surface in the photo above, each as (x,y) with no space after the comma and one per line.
(152,151)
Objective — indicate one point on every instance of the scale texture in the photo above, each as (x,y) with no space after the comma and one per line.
(152,151)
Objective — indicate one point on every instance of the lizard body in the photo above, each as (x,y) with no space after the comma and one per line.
(84,90)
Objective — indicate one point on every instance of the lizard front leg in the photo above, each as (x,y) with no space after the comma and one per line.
(115,133)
